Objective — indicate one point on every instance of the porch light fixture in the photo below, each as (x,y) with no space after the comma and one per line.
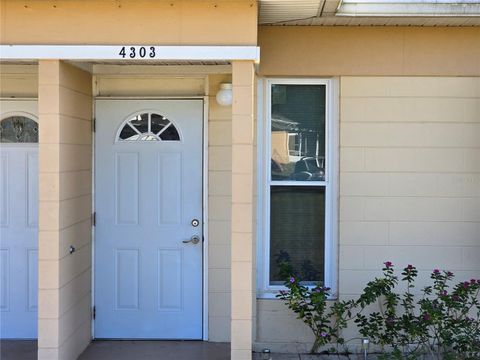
(224,95)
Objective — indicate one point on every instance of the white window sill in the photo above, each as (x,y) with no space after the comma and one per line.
(271,295)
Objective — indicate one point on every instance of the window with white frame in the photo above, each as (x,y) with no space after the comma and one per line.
(299,167)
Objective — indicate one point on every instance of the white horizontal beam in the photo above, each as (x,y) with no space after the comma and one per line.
(407,8)
(130,53)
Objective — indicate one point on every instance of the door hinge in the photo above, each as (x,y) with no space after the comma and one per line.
(94,219)
(94,312)
(94,124)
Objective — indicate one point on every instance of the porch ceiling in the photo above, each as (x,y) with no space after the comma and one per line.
(370,12)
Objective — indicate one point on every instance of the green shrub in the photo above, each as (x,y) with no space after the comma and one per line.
(444,321)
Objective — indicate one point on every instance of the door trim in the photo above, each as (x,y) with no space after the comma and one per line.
(205,218)
(205,120)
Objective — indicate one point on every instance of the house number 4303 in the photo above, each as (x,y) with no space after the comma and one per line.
(134,52)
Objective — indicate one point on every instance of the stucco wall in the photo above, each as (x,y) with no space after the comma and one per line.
(158,22)
(409,187)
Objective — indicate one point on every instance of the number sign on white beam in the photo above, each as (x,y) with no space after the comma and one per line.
(129,52)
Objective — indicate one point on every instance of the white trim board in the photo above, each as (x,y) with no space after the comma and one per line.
(409,8)
(151,53)
(205,218)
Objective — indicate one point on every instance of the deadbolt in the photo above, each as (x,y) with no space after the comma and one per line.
(195,222)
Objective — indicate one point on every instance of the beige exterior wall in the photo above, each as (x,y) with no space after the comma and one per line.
(158,22)
(409,187)
(342,50)
(409,150)
(242,211)
(231,249)
(219,225)
(409,176)
(65,203)
(18,81)
(151,80)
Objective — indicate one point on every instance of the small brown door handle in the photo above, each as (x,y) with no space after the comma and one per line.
(195,239)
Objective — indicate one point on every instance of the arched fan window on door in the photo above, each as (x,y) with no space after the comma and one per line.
(148,127)
(18,129)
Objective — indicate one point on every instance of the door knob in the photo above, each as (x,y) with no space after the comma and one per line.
(195,239)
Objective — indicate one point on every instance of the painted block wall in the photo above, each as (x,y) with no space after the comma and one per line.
(65,199)
(409,187)
(19,81)
(219,202)
(369,50)
(428,126)
(242,210)
(129,22)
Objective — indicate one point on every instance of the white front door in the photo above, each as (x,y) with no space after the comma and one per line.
(148,203)
(18,220)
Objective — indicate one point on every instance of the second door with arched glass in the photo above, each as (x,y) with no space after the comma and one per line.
(19,131)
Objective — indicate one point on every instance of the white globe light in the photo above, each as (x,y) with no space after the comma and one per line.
(224,96)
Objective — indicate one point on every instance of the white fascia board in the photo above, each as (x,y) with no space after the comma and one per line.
(409,8)
(394,2)
(112,52)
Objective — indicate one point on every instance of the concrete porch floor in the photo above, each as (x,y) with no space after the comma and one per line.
(137,350)
(127,350)
(18,349)
(161,350)
(150,350)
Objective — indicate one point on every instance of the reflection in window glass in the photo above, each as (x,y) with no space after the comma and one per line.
(298,132)
(149,127)
(297,232)
(18,129)
(158,123)
(140,122)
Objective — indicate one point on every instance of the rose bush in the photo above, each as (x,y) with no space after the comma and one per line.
(442,319)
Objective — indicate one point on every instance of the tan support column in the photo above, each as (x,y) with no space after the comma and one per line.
(65,177)
(243,74)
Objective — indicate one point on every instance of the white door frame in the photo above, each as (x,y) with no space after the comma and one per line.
(204,199)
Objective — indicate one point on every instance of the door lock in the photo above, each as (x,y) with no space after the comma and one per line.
(195,222)
(195,239)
